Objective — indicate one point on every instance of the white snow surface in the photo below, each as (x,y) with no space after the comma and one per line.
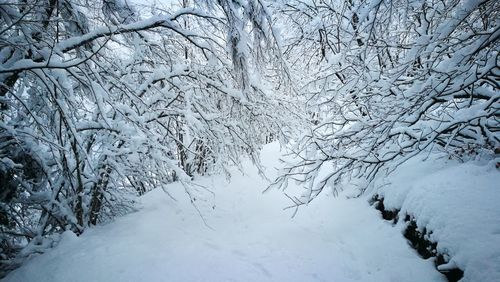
(458,202)
(250,238)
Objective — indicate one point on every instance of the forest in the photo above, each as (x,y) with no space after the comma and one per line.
(104,101)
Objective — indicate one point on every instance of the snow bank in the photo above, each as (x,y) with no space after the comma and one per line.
(458,202)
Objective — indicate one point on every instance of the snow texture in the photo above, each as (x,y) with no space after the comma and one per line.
(458,202)
(249,238)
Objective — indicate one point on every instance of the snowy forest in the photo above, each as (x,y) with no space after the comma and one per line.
(106,102)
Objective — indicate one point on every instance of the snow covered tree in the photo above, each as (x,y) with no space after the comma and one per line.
(100,101)
(393,78)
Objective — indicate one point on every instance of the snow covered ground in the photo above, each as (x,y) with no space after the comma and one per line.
(250,238)
(458,202)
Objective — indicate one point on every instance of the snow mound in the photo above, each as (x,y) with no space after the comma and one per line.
(458,202)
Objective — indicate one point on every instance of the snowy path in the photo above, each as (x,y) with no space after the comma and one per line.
(252,239)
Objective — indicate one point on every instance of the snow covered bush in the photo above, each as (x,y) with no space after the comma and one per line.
(101,101)
(393,78)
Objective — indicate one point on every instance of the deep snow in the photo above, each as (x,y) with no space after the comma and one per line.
(250,238)
(458,202)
